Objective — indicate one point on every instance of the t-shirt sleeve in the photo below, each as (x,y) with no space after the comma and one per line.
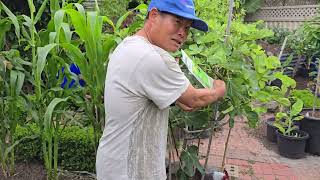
(160,79)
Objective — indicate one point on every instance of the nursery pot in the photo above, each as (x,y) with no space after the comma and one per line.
(290,146)
(271,130)
(311,125)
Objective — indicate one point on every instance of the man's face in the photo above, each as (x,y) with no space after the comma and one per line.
(170,31)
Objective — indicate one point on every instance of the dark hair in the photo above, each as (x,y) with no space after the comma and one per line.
(161,13)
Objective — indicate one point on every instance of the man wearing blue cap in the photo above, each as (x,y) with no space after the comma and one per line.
(142,81)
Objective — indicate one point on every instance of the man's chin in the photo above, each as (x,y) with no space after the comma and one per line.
(173,50)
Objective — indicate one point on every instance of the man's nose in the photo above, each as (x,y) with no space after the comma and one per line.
(183,32)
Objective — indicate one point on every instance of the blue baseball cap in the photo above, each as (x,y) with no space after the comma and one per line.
(182,8)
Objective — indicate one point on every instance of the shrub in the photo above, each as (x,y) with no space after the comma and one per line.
(76,149)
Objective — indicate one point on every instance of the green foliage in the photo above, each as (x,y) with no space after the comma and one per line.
(285,119)
(279,35)
(190,159)
(251,6)
(306,39)
(76,151)
(12,105)
(5,25)
(307,97)
(81,157)
(28,149)
(114,8)
(242,64)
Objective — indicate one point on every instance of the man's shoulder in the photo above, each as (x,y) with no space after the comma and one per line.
(136,45)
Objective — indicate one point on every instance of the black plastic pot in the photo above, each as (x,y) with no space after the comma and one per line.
(311,125)
(292,147)
(271,130)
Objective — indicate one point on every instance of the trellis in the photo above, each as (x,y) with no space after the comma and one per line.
(287,14)
(271,3)
(90,4)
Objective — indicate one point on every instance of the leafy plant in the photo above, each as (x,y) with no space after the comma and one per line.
(190,162)
(12,77)
(285,120)
(239,61)
(279,35)
(5,24)
(251,6)
(307,97)
(81,157)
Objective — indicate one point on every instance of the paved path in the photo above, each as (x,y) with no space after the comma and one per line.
(254,158)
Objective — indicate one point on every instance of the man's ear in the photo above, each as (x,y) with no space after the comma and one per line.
(153,14)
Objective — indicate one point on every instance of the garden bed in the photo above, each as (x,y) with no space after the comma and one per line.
(34,170)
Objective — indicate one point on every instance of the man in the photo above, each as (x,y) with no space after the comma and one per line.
(142,81)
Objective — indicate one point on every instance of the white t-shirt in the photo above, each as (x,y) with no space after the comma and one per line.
(142,81)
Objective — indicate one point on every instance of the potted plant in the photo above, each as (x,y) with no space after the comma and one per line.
(291,141)
(279,95)
(308,44)
(311,123)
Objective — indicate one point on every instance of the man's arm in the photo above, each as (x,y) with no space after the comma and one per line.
(184,107)
(196,98)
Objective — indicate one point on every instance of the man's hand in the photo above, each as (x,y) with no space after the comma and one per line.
(184,107)
(220,87)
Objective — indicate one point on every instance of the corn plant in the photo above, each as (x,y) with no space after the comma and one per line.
(93,58)
(12,75)
(51,134)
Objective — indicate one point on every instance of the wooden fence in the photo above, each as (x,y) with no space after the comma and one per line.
(287,14)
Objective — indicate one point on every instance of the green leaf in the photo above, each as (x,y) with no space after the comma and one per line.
(231,108)
(286,80)
(67,32)
(79,58)
(28,21)
(253,119)
(54,6)
(20,82)
(79,23)
(283,101)
(40,12)
(190,160)
(81,10)
(52,37)
(281,115)
(107,20)
(13,80)
(142,8)
(272,62)
(11,148)
(121,20)
(31,7)
(58,20)
(279,127)
(13,18)
(296,108)
(298,118)
(49,112)
(42,56)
